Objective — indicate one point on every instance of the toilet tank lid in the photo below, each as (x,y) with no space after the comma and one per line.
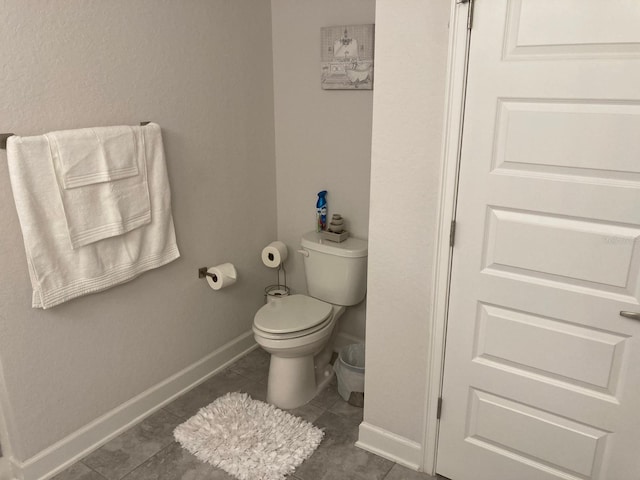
(351,247)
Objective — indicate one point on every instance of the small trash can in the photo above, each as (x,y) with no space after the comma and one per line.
(349,368)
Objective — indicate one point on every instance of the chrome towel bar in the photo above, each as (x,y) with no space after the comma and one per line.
(5,136)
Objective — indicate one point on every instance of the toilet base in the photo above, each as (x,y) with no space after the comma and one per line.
(293,382)
(299,367)
(323,377)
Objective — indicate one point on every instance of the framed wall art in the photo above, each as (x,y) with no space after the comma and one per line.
(347,57)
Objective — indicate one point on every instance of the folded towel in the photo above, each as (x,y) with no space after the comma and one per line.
(58,272)
(102,178)
(92,155)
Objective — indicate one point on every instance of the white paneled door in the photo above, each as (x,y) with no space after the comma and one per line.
(542,372)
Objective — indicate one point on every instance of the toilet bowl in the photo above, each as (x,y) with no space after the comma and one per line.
(299,330)
(296,331)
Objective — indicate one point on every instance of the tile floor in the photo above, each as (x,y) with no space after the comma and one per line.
(147,450)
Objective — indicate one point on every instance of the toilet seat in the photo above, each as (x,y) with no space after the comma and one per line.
(287,336)
(292,317)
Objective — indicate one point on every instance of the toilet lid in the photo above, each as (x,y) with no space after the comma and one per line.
(292,314)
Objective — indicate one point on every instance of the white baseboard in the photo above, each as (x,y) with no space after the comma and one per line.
(390,446)
(70,449)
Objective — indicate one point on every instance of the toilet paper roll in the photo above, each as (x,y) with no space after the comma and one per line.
(222,276)
(274,254)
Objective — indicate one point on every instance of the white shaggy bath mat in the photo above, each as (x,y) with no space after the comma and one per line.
(248,439)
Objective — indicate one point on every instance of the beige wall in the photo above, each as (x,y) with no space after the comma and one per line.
(201,69)
(405,170)
(323,137)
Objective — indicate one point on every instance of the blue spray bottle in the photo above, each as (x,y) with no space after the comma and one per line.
(321,211)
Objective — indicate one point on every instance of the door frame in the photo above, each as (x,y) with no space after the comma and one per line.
(457,62)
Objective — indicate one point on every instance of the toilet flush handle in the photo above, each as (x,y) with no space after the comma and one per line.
(631,315)
(304,252)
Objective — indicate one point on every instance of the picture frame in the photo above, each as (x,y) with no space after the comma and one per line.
(347,57)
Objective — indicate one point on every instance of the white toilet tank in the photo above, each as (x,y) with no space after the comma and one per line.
(336,272)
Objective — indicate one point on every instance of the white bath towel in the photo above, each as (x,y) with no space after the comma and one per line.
(58,272)
(102,178)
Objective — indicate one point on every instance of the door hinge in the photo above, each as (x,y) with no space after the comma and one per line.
(439,411)
(452,233)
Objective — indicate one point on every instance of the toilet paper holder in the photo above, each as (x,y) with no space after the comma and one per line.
(202,273)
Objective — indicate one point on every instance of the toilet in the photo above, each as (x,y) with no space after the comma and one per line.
(299,330)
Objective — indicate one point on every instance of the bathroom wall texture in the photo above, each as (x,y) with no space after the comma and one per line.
(323,137)
(202,70)
(405,171)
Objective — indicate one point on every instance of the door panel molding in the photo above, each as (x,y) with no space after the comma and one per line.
(531,37)
(599,350)
(496,421)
